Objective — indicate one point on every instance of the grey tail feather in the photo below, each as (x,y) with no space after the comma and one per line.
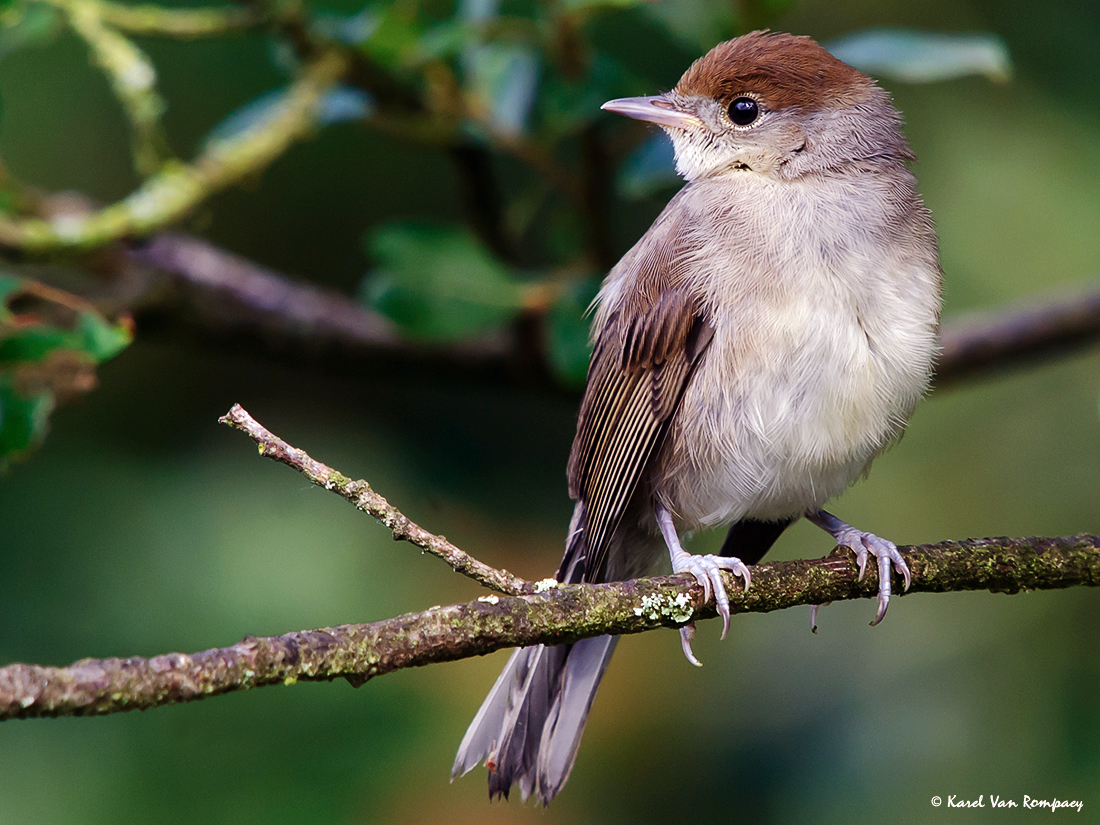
(529,727)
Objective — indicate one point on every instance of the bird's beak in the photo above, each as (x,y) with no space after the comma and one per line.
(658,109)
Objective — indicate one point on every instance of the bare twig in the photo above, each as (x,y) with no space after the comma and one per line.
(563,613)
(366,499)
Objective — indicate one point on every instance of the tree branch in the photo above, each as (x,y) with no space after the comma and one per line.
(177,188)
(544,613)
(169,22)
(563,613)
(993,341)
(132,78)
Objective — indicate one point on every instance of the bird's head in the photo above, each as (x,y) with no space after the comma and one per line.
(774,104)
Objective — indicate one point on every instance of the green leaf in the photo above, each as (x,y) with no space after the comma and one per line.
(923,57)
(100,339)
(394,34)
(565,104)
(343,103)
(23,421)
(503,79)
(33,343)
(567,332)
(350,30)
(47,355)
(445,40)
(439,282)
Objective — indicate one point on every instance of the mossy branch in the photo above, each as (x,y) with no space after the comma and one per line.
(563,613)
(178,187)
(545,613)
(177,23)
(132,79)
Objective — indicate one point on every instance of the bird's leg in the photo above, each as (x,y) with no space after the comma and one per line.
(886,552)
(707,571)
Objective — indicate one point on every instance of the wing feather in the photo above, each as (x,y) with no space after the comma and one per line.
(645,353)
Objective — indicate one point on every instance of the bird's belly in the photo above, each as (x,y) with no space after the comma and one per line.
(777,423)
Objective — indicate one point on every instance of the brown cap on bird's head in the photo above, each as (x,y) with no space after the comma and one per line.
(783,69)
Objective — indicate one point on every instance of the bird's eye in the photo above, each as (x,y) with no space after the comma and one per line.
(744,110)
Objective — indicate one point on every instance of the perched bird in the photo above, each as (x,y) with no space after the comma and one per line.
(754,351)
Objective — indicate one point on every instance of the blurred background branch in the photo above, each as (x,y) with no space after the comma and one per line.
(297,313)
(478,84)
(175,189)
(163,21)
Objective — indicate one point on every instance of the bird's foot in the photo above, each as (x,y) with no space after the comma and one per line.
(707,571)
(864,545)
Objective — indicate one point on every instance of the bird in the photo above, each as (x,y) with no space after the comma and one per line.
(753,352)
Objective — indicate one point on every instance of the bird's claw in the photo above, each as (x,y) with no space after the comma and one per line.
(865,545)
(687,633)
(886,554)
(707,570)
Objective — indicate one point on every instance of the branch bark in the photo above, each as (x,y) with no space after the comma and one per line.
(564,613)
(542,613)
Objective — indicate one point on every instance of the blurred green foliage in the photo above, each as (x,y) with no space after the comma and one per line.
(48,352)
(141,527)
(438,282)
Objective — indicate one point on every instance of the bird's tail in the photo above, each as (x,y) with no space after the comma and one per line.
(529,726)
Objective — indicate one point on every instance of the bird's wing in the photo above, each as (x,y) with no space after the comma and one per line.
(643,358)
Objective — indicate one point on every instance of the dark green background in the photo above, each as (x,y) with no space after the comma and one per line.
(143,527)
